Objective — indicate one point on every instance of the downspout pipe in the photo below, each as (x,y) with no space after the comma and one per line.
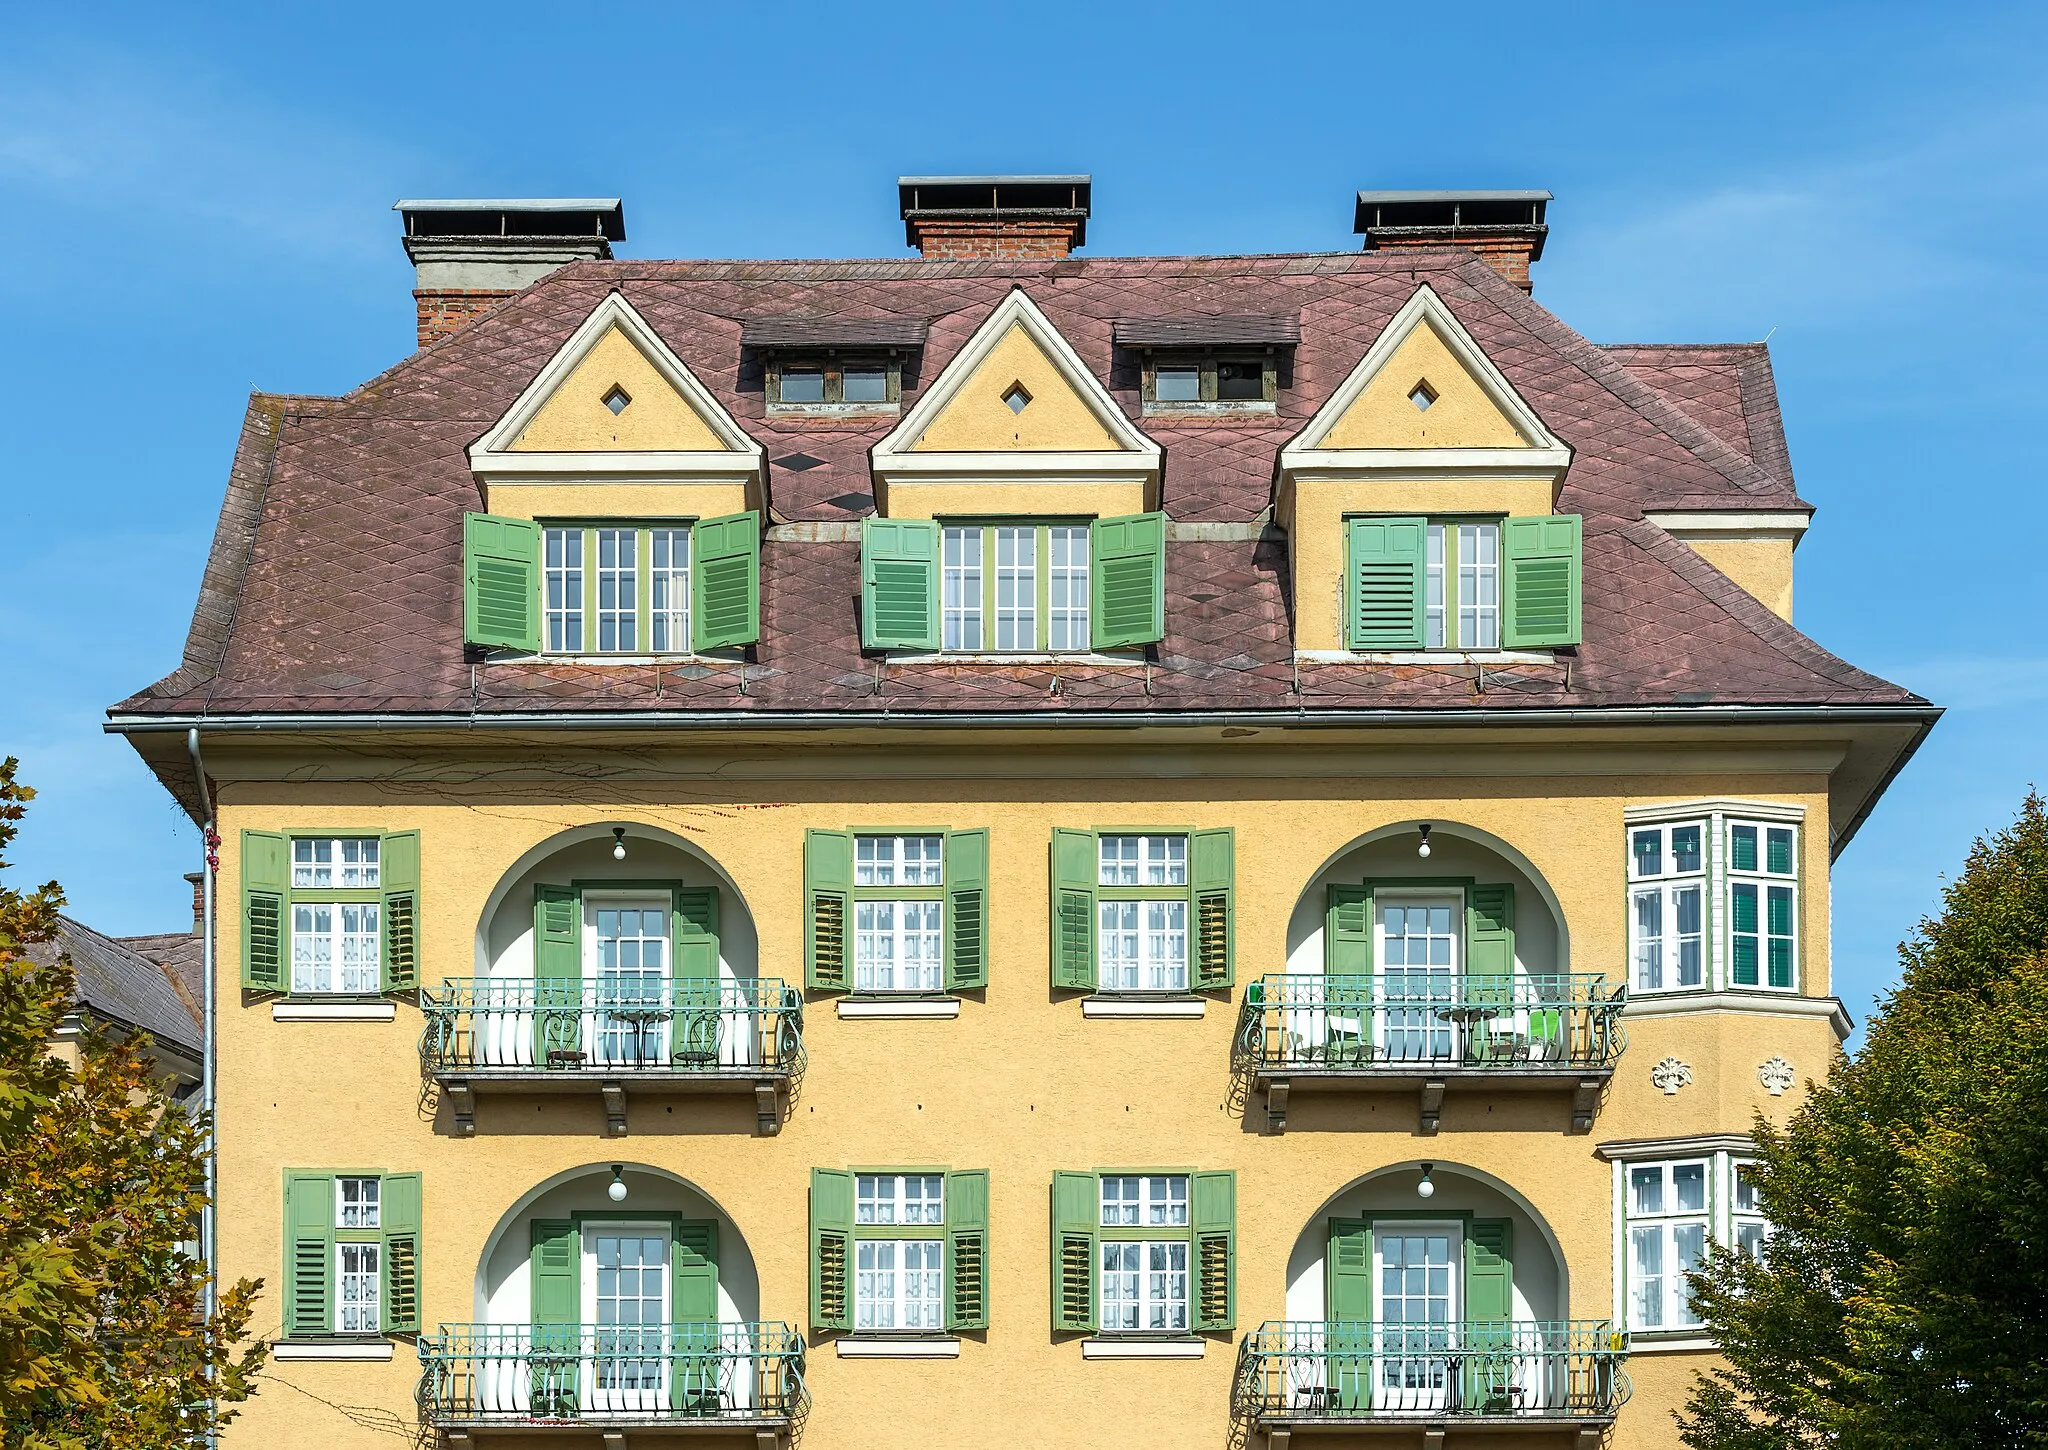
(209,1215)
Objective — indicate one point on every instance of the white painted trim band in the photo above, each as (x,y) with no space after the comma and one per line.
(1730,521)
(1763,1004)
(1139,1007)
(898,1348)
(1746,810)
(378,1350)
(1143,1348)
(1426,657)
(333,1011)
(913,1007)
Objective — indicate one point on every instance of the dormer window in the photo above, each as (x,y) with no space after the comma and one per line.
(831,382)
(1176,381)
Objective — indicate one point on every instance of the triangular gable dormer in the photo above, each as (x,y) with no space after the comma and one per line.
(615,405)
(1015,409)
(1426,402)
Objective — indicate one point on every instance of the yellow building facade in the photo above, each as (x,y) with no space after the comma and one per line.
(991,967)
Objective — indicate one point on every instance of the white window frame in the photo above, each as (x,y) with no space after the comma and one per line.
(562,618)
(1763,881)
(368,1277)
(1724,1223)
(1161,1200)
(963,552)
(307,864)
(1155,1307)
(1667,886)
(1441,1037)
(899,1200)
(895,1214)
(993,576)
(1666,1223)
(305,974)
(916,923)
(1457,583)
(668,589)
(621,579)
(1748,1229)
(368,1207)
(1159,858)
(1720,814)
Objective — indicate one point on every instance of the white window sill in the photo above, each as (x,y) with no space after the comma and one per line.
(1641,1342)
(333,1011)
(1143,1348)
(1141,1007)
(834,410)
(899,1348)
(963,657)
(909,1007)
(331,1349)
(1220,408)
(1425,657)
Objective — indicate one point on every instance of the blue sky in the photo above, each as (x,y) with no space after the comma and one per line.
(197,203)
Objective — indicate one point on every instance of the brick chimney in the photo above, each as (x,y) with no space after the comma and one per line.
(1505,228)
(198,880)
(991,218)
(468,255)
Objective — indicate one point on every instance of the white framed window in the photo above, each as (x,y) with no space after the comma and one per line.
(1667,906)
(1144,1285)
(1067,588)
(1016,588)
(899,1284)
(626,1292)
(347,863)
(961,585)
(897,939)
(881,1198)
(618,591)
(335,947)
(668,590)
(1668,1209)
(1747,1226)
(357,1203)
(1141,938)
(562,586)
(1461,586)
(1135,1200)
(1418,953)
(358,1286)
(1763,905)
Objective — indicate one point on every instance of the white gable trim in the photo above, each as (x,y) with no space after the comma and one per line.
(492,460)
(1546,456)
(1137,457)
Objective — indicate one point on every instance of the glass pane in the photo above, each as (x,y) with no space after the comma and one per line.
(1742,848)
(1646,1190)
(803,385)
(1689,1187)
(1178,384)
(865,385)
(1649,973)
(961,590)
(1648,854)
(1241,380)
(1778,850)
(1685,848)
(1433,589)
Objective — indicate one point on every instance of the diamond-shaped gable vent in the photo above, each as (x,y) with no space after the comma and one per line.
(798,462)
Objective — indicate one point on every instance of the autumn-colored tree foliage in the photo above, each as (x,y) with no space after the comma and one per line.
(1903,1299)
(103,1340)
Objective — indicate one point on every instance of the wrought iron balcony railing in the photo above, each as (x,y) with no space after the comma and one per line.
(512,1374)
(1501,1370)
(1420,1021)
(744,1026)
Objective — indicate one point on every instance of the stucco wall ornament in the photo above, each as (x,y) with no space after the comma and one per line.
(1670,1074)
(1776,1075)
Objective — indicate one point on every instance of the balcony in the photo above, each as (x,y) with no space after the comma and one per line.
(1431,1033)
(662,1382)
(1520,1378)
(528,1035)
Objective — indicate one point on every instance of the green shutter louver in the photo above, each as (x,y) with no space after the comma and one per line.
(831,1248)
(555,1298)
(1347,930)
(558,971)
(1213,875)
(693,1384)
(266,874)
(967,1249)
(1127,580)
(1076,1211)
(1214,1214)
(725,581)
(399,1210)
(899,584)
(399,865)
(308,1253)
(1383,587)
(694,1026)
(1540,604)
(1490,930)
(1347,1297)
(828,910)
(501,582)
(1489,1306)
(966,872)
(1073,909)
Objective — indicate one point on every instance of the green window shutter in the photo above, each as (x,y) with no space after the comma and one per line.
(694,926)
(725,581)
(1490,1270)
(399,869)
(558,968)
(1383,590)
(1215,1223)
(1347,1297)
(1076,1211)
(967,1249)
(1127,580)
(556,1265)
(1347,930)
(693,1382)
(831,1248)
(1490,930)
(266,874)
(828,910)
(966,873)
(501,582)
(1541,606)
(1213,863)
(899,584)
(308,1253)
(1073,909)
(399,1210)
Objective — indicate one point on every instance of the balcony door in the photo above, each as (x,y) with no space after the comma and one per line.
(1419,951)
(626,1298)
(626,954)
(1416,1283)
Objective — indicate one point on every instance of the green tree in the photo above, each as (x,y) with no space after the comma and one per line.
(1902,1300)
(104,1344)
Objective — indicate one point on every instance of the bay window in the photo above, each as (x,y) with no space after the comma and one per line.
(1713,901)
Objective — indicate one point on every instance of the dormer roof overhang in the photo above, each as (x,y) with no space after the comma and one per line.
(743,460)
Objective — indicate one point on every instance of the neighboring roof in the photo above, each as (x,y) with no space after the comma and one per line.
(902,332)
(1727,388)
(180,954)
(1280,330)
(348,511)
(119,984)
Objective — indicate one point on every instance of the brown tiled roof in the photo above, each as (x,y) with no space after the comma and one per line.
(117,982)
(348,511)
(1728,388)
